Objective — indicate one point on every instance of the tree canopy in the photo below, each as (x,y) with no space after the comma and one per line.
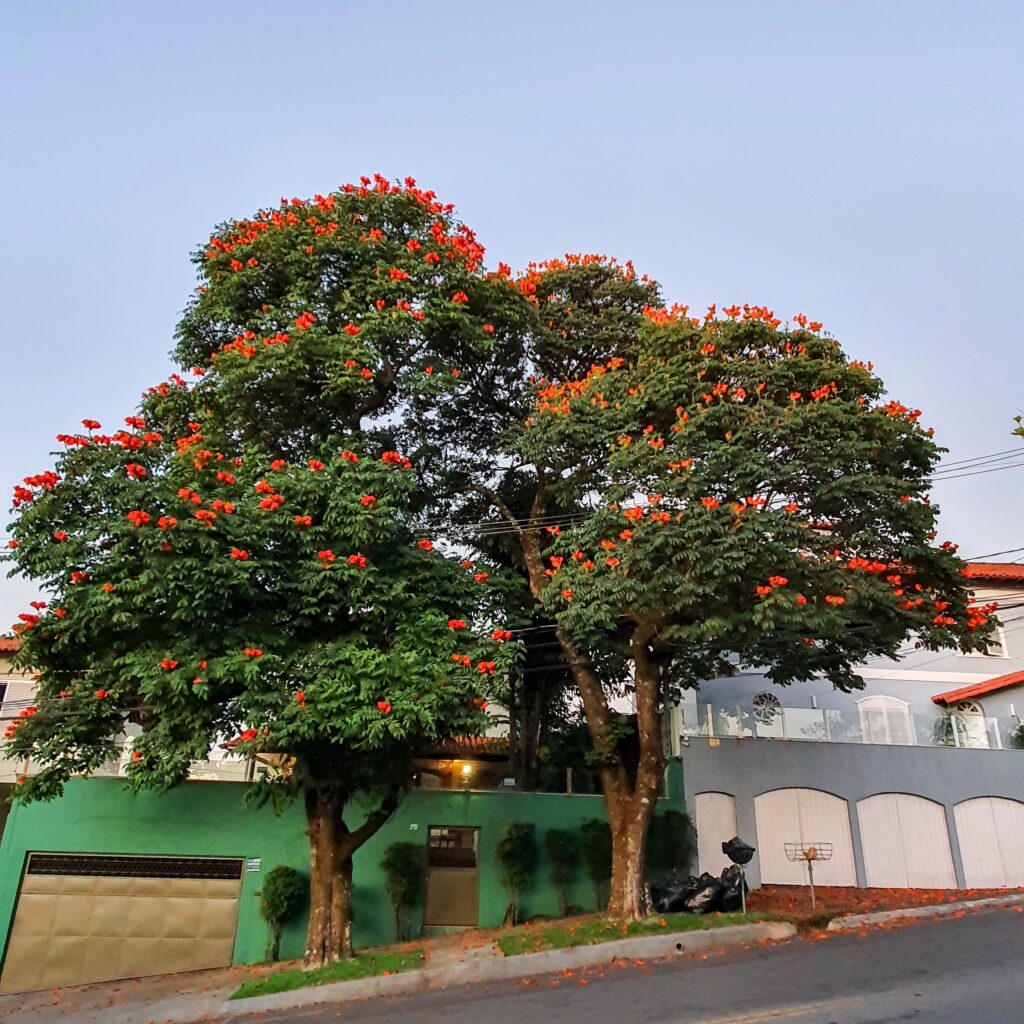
(244,560)
(272,551)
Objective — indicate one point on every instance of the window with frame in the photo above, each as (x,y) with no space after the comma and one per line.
(885,720)
(996,646)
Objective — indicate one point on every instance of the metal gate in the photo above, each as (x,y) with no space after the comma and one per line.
(84,918)
(453,877)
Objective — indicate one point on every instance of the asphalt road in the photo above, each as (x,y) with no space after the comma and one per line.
(953,971)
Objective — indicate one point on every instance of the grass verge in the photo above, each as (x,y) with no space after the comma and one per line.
(588,933)
(365,965)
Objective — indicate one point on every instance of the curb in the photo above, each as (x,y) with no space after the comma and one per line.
(851,921)
(506,968)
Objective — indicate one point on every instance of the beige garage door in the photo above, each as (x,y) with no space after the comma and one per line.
(991,834)
(905,842)
(803,816)
(716,823)
(87,917)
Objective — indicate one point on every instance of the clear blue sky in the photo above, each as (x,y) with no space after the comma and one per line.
(860,162)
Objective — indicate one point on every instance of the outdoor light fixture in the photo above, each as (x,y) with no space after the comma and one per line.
(467,769)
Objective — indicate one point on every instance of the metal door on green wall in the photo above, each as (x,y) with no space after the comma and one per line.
(453,877)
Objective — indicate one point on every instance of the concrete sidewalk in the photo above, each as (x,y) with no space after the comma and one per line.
(205,996)
(461,960)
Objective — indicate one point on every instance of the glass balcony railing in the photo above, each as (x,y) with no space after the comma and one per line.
(826,725)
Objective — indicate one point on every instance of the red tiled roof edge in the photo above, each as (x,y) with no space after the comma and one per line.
(9,645)
(1007,572)
(1005,682)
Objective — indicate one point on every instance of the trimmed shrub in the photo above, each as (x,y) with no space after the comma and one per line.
(597,854)
(671,843)
(563,850)
(517,854)
(402,865)
(280,899)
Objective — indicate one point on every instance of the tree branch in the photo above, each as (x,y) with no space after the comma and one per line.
(375,820)
(493,498)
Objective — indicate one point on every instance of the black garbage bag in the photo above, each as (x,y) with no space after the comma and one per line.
(705,897)
(733,885)
(670,896)
(738,851)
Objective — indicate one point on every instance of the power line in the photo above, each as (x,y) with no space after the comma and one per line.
(1019,450)
(992,554)
(980,472)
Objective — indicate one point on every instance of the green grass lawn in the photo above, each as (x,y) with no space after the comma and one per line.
(364,965)
(587,933)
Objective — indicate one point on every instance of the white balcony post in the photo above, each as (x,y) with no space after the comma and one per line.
(998,732)
(828,730)
(956,730)
(711,720)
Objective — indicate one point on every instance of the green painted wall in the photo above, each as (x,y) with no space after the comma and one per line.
(209,818)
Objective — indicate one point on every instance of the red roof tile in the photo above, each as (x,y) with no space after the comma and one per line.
(9,645)
(980,689)
(1000,572)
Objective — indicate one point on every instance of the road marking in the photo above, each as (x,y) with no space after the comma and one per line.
(780,1013)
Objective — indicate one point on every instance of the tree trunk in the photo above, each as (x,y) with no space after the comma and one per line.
(324,806)
(331,846)
(627,888)
(629,808)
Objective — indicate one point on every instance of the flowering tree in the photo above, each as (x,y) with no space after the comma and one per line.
(755,502)
(556,318)
(241,561)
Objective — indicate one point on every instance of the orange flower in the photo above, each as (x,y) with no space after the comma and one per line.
(384,707)
(709,503)
(460,297)
(425,544)
(239,555)
(486,668)
(456,624)
(567,594)
(326,557)
(777,581)
(763,591)
(303,521)
(367,500)
(800,599)
(359,561)
(316,465)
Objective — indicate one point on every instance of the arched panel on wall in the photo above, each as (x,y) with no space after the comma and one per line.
(805,816)
(715,822)
(990,830)
(905,842)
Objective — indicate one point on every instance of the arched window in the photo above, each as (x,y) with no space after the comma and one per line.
(885,720)
(971,726)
